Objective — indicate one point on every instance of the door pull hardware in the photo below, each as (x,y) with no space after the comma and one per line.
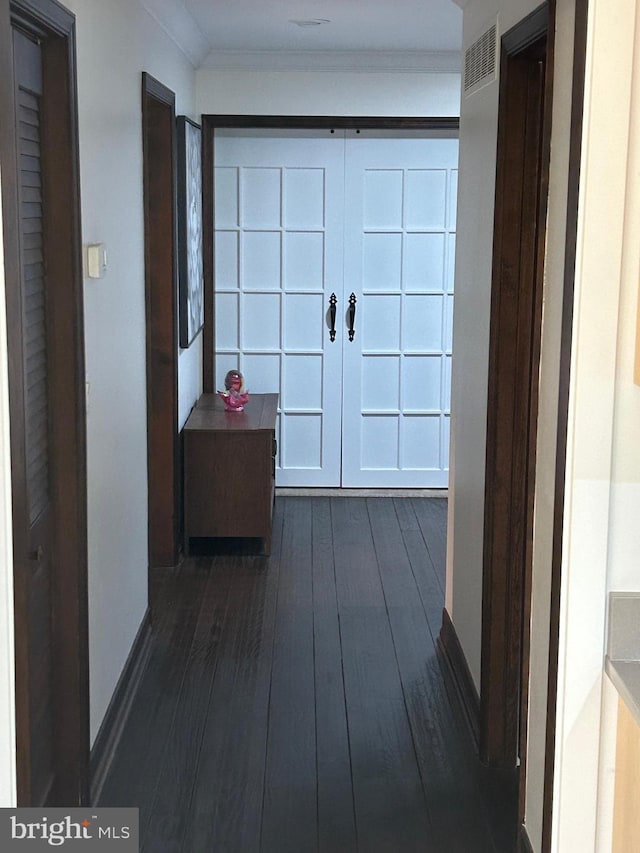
(333,301)
(37,555)
(352,315)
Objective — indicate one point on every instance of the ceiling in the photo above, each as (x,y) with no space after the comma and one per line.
(366,26)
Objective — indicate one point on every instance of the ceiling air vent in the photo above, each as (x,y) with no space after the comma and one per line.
(480,61)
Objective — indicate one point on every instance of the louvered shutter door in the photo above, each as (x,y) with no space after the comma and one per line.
(35,325)
(35,361)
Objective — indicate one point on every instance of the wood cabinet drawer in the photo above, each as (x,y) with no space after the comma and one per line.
(229,469)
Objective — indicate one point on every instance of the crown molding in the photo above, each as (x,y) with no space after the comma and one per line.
(180,26)
(407,61)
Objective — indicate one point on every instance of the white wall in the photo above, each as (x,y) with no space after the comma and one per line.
(330,93)
(116,41)
(7,669)
(624,531)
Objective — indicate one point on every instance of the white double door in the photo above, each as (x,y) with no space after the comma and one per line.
(301,216)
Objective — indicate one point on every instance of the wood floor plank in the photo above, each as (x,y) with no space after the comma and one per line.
(336,818)
(314,716)
(289,820)
(424,571)
(226,810)
(432,518)
(136,765)
(390,806)
(435,741)
(163,828)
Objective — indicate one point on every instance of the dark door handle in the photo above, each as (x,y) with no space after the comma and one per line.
(333,301)
(37,555)
(352,315)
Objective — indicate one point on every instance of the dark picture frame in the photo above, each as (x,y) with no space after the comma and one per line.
(190,259)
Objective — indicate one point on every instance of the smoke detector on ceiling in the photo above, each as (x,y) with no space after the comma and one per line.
(310,22)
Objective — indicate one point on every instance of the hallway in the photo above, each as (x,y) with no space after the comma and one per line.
(296,703)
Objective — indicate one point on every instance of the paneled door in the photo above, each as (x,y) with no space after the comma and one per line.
(365,221)
(399,261)
(279,209)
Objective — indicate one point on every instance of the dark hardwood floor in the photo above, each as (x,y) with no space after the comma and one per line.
(295,702)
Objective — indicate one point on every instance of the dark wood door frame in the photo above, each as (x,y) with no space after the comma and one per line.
(278,122)
(577,106)
(522,178)
(163,448)
(55,29)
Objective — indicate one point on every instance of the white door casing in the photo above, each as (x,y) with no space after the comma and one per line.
(303,214)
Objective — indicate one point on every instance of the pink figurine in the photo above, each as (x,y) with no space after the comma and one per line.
(234,396)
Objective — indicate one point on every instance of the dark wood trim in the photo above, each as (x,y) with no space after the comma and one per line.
(115,719)
(160,240)
(212,121)
(524,842)
(516,308)
(456,667)
(68,448)
(327,122)
(55,27)
(577,109)
(157,90)
(44,16)
(527,30)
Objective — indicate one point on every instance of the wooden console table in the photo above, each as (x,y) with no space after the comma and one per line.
(229,469)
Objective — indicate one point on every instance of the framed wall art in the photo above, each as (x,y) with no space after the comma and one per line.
(190,269)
